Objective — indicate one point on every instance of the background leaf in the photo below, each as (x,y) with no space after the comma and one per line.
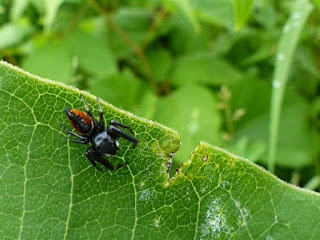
(11,34)
(51,8)
(204,68)
(242,11)
(184,110)
(292,133)
(18,7)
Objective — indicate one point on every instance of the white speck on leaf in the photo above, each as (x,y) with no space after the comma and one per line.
(157,221)
(244,214)
(225,183)
(215,222)
(146,195)
(269,237)
(203,190)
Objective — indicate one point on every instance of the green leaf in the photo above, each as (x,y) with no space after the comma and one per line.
(186,9)
(184,39)
(48,10)
(295,136)
(12,34)
(204,68)
(18,7)
(58,67)
(218,12)
(94,60)
(191,110)
(160,63)
(242,10)
(317,2)
(134,24)
(121,89)
(49,190)
(147,105)
(51,8)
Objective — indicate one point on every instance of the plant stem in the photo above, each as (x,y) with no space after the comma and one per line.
(287,45)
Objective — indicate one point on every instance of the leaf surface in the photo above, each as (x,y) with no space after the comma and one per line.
(49,190)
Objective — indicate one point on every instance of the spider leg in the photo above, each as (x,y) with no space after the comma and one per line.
(90,153)
(101,121)
(93,156)
(82,138)
(116,123)
(77,141)
(86,106)
(117,132)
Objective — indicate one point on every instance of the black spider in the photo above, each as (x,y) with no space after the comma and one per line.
(104,140)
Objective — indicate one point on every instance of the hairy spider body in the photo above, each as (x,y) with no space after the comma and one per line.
(80,120)
(104,140)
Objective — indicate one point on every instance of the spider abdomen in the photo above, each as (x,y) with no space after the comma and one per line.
(79,120)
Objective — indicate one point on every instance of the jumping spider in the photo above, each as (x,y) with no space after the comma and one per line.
(104,140)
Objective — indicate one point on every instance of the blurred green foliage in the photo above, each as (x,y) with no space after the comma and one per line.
(202,67)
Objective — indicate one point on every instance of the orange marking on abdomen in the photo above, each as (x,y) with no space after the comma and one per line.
(82,115)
